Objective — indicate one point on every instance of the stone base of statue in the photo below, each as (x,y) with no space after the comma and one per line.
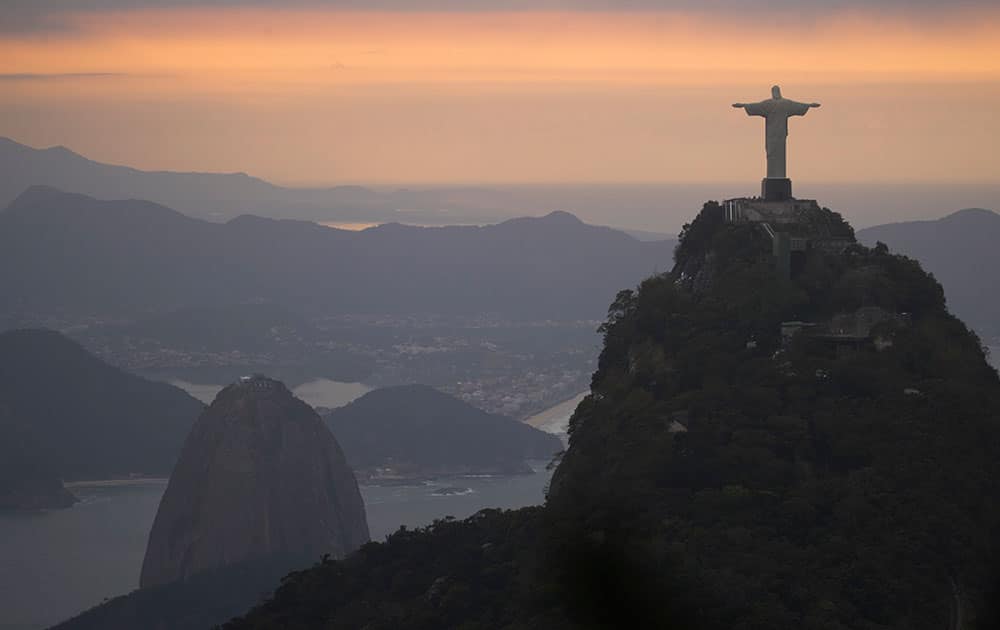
(776,189)
(781,215)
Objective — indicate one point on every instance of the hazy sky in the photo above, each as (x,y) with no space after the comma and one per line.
(517,91)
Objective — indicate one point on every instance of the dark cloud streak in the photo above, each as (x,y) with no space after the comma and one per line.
(42,76)
(30,16)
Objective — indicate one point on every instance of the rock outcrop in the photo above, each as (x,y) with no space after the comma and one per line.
(260,475)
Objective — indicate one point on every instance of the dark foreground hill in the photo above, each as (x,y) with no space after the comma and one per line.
(65,414)
(416,430)
(756,452)
(962,252)
(71,256)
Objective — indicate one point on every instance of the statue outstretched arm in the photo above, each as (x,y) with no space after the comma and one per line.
(795,108)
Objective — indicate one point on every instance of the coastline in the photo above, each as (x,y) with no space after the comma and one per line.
(110,483)
(552,419)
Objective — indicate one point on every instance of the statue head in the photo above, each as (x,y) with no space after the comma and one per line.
(775,91)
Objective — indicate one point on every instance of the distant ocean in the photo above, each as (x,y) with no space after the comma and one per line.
(664,208)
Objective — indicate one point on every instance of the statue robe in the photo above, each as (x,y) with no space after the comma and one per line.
(776,112)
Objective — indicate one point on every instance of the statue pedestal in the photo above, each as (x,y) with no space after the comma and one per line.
(776,189)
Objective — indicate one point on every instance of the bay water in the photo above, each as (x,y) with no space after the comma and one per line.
(56,564)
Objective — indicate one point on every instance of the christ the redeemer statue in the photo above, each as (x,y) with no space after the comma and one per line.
(776,111)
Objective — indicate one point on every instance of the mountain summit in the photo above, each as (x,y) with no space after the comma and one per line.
(260,476)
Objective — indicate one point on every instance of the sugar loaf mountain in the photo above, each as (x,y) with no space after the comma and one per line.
(259,475)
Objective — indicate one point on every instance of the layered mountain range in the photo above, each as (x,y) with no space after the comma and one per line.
(71,256)
(214,196)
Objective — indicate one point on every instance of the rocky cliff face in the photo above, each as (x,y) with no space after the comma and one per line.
(259,475)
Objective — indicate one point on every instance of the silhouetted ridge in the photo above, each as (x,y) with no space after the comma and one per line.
(973,214)
(72,256)
(561,217)
(206,195)
(39,195)
(46,202)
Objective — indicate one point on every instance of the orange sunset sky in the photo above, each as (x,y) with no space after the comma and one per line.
(432,92)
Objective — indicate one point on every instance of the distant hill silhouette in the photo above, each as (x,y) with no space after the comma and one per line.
(69,255)
(214,196)
(962,250)
(223,196)
(417,429)
(72,416)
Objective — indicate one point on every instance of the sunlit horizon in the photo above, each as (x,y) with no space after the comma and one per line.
(319,96)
